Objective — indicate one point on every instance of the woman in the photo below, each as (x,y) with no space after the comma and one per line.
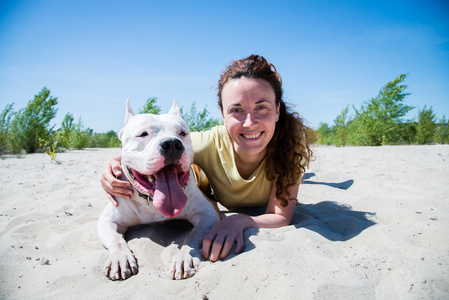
(256,158)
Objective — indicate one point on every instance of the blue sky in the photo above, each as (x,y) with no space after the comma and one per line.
(92,55)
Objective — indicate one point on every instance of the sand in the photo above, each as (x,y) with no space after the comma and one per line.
(373,224)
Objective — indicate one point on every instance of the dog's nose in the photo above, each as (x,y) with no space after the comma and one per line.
(171,148)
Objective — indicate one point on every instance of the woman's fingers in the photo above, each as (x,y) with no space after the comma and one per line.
(226,247)
(218,244)
(113,186)
(112,199)
(216,248)
(114,165)
(207,244)
(240,245)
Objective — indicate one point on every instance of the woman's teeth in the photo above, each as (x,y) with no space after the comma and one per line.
(252,136)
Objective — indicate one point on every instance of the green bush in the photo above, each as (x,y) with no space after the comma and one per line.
(198,121)
(150,107)
(380,122)
(5,121)
(442,131)
(32,123)
(79,137)
(378,119)
(326,135)
(341,128)
(425,128)
(66,130)
(105,140)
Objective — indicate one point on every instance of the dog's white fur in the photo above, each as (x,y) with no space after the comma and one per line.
(141,151)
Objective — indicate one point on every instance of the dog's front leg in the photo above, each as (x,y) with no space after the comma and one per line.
(185,264)
(121,263)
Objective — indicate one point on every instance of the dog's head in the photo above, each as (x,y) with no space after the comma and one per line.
(156,157)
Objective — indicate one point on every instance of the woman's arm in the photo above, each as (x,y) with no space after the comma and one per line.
(229,231)
(115,187)
(277,215)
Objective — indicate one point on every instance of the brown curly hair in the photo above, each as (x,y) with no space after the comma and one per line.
(288,152)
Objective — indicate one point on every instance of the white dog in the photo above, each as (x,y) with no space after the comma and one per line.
(156,158)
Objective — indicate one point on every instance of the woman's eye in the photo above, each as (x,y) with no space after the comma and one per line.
(143,134)
(235,110)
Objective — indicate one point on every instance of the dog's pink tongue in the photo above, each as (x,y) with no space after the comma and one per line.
(169,197)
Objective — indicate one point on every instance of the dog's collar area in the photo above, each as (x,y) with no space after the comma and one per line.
(129,175)
(146,197)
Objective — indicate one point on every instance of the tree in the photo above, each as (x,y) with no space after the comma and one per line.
(150,107)
(325,134)
(442,131)
(79,137)
(198,121)
(425,128)
(104,140)
(341,128)
(112,139)
(32,122)
(408,131)
(14,144)
(66,130)
(378,121)
(5,121)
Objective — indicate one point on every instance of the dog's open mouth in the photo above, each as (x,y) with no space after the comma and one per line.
(164,186)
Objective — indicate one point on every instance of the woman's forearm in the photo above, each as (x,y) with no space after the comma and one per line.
(266,220)
(270,221)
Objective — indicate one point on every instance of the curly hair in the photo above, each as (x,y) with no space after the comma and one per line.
(288,152)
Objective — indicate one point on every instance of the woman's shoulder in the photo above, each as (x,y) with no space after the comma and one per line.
(204,139)
(216,130)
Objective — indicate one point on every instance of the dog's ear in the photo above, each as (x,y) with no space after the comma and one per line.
(175,110)
(120,134)
(129,111)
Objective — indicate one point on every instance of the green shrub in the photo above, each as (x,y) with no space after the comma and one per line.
(5,121)
(425,128)
(442,131)
(32,123)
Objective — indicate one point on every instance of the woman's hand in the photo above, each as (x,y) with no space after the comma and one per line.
(229,231)
(115,187)
(220,240)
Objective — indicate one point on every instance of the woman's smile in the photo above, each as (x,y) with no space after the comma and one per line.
(252,136)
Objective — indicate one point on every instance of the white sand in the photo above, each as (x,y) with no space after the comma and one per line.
(386,236)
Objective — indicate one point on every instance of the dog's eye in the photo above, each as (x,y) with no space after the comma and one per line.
(183,134)
(143,134)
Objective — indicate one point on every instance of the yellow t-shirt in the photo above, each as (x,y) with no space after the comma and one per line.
(214,154)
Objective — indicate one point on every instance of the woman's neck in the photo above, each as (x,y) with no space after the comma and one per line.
(247,164)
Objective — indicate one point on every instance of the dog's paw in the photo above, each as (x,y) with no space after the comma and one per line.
(185,264)
(121,265)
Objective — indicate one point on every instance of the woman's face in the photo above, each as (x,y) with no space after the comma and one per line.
(250,114)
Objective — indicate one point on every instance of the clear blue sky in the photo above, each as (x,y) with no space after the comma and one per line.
(92,55)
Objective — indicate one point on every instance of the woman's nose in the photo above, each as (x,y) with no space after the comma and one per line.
(250,120)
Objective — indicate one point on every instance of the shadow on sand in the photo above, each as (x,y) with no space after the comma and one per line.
(334,221)
(339,185)
(330,219)
(163,234)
